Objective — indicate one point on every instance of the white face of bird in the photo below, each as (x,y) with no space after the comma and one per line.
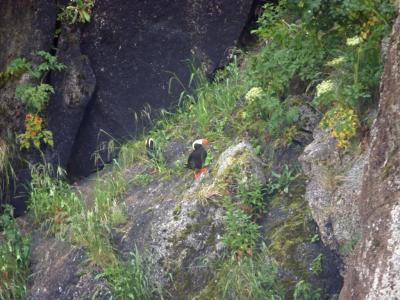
(150,143)
(200,141)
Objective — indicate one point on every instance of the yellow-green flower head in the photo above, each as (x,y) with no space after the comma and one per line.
(325,87)
(253,94)
(336,61)
(354,41)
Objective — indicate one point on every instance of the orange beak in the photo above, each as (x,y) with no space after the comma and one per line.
(204,141)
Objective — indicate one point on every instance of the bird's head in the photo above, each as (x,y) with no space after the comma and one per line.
(199,142)
(150,144)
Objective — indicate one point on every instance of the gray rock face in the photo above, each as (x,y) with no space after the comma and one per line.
(56,268)
(177,222)
(332,192)
(375,268)
(243,156)
(116,64)
(73,90)
(180,223)
(135,47)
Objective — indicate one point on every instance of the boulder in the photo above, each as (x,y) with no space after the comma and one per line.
(332,191)
(242,156)
(135,48)
(180,222)
(374,272)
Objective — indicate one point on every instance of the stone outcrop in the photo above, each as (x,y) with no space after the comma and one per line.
(182,227)
(332,191)
(73,90)
(178,222)
(375,269)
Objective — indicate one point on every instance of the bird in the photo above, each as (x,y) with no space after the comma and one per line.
(198,157)
(150,148)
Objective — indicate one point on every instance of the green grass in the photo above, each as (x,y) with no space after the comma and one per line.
(57,208)
(109,190)
(305,291)
(132,281)
(53,204)
(14,258)
(251,277)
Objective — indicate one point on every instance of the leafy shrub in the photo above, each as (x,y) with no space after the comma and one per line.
(281,182)
(34,133)
(241,233)
(293,49)
(77,11)
(14,258)
(35,97)
(342,123)
(316,265)
(252,197)
(264,106)
(16,68)
(336,42)
(305,291)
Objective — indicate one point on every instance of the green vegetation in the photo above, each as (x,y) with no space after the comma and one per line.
(335,43)
(131,281)
(281,181)
(76,11)
(241,233)
(252,277)
(305,291)
(330,49)
(52,202)
(316,265)
(35,98)
(8,154)
(14,258)
(60,211)
(16,68)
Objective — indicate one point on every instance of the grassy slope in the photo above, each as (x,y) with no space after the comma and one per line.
(309,51)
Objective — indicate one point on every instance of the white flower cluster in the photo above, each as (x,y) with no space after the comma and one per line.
(325,87)
(253,94)
(354,41)
(336,61)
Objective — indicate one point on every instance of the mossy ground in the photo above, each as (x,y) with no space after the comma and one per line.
(286,234)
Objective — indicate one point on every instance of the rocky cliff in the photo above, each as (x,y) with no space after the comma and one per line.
(354,196)
(118,64)
(374,268)
(283,210)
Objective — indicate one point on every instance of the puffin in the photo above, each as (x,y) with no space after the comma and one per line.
(150,148)
(198,157)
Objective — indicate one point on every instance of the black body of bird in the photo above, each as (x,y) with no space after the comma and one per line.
(197,158)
